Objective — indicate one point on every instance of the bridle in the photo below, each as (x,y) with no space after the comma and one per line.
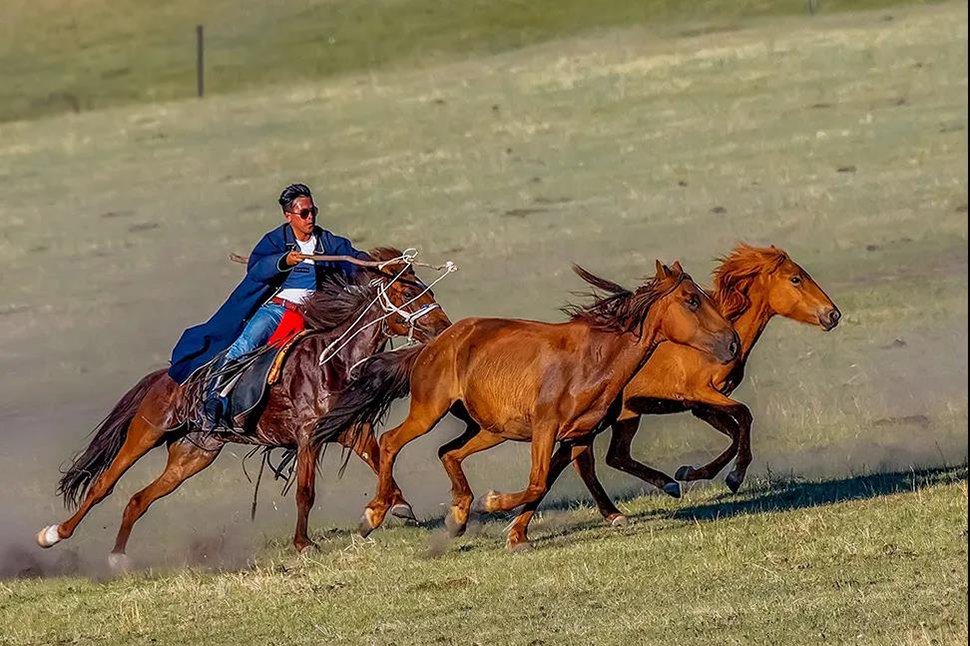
(390,309)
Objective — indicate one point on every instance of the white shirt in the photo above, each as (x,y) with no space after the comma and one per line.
(297,295)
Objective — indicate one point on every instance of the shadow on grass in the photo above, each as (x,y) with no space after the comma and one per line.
(783,495)
(760,496)
(765,496)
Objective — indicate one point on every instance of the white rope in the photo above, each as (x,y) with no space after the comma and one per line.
(390,309)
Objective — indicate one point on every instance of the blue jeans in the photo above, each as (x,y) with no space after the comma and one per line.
(258,330)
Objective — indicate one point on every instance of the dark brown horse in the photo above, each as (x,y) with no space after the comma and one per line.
(751,286)
(524,380)
(157,410)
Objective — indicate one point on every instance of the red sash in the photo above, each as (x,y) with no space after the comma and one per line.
(290,325)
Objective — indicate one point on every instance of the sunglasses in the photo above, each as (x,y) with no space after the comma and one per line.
(305,213)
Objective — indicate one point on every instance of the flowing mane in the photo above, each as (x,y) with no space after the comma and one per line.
(339,296)
(620,310)
(737,271)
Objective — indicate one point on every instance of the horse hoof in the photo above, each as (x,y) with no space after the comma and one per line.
(366,525)
(520,547)
(480,506)
(619,520)
(683,473)
(733,482)
(120,562)
(48,537)
(455,529)
(672,489)
(403,510)
(305,549)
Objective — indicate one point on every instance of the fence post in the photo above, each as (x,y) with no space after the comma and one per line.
(200,59)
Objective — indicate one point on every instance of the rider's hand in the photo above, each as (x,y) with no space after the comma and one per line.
(294,258)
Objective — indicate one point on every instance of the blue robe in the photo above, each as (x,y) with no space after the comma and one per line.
(265,273)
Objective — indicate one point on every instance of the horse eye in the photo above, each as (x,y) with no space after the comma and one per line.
(796,280)
(693,302)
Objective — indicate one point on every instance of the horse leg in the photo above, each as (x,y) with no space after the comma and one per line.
(516,539)
(452,455)
(542,445)
(742,415)
(618,456)
(734,420)
(142,436)
(367,449)
(306,469)
(421,418)
(185,459)
(585,464)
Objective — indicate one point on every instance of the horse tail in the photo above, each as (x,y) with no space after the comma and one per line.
(109,436)
(365,401)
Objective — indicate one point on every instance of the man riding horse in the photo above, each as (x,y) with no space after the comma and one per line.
(279,275)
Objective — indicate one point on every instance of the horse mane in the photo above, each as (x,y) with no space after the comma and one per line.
(620,310)
(737,271)
(338,296)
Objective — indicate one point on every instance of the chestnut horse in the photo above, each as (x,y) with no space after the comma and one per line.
(524,380)
(158,410)
(751,286)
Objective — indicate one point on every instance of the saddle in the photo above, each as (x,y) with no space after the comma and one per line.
(246,388)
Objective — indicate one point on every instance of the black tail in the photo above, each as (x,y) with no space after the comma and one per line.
(381,379)
(109,435)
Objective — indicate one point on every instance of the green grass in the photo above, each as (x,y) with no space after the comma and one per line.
(877,559)
(60,56)
(609,146)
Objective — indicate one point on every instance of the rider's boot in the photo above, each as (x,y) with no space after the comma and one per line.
(214,406)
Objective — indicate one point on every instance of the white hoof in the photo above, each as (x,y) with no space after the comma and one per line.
(120,562)
(48,537)
(619,521)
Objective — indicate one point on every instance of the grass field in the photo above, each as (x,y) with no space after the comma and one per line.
(607,137)
(865,560)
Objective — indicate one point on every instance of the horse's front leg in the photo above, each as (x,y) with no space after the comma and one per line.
(516,538)
(306,469)
(543,441)
(734,420)
(619,457)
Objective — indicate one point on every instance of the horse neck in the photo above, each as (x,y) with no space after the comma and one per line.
(364,344)
(629,352)
(753,320)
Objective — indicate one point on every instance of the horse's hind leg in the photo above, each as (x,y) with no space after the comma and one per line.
(185,458)
(367,449)
(452,455)
(142,436)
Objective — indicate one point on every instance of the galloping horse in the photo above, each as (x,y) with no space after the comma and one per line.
(524,380)
(157,410)
(751,286)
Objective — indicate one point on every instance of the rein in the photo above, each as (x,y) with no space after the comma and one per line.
(390,309)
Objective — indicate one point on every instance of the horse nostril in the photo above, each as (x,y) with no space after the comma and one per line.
(733,348)
(833,318)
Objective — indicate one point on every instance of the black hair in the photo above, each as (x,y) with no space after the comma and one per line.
(292,192)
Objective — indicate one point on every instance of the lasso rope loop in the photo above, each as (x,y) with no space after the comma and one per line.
(390,309)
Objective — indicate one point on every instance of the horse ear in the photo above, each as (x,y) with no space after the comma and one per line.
(662,271)
(677,268)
